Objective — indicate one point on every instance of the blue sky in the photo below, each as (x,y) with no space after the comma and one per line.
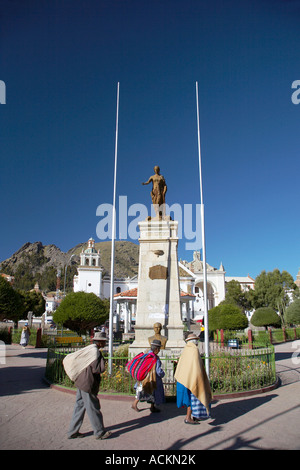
(61,61)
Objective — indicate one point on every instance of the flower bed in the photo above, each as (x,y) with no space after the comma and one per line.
(234,371)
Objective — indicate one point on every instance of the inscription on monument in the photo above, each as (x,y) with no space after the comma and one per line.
(158,272)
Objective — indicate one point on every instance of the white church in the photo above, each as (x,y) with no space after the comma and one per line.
(90,279)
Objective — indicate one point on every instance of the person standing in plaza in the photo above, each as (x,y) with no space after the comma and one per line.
(88,383)
(193,388)
(25,335)
(151,389)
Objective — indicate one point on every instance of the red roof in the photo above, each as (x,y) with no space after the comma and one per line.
(133,293)
(186,294)
(127,293)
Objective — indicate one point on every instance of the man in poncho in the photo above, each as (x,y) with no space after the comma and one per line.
(85,370)
(193,388)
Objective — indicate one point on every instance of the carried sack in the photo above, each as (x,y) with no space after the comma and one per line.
(140,365)
(74,363)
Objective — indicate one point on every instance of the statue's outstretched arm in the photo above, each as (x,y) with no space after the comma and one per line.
(149,180)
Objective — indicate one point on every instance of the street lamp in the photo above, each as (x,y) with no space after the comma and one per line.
(66,274)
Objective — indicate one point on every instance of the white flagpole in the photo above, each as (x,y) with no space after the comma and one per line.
(113,245)
(206,333)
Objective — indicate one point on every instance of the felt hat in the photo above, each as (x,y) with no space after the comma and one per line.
(156,343)
(99,336)
(192,336)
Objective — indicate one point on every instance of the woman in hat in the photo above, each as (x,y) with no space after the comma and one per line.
(25,335)
(151,389)
(193,388)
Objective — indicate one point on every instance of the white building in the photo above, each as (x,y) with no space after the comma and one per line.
(89,278)
(52,302)
(246,283)
(297,280)
(8,278)
(191,291)
(191,280)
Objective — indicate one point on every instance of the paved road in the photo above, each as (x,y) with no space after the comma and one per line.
(34,416)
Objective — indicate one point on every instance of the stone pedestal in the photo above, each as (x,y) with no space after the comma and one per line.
(158,298)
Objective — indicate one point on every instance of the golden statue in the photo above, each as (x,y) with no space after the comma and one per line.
(158,193)
(157,329)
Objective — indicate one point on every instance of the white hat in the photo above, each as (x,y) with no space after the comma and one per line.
(192,336)
(100,336)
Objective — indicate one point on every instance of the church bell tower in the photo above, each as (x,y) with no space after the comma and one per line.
(89,278)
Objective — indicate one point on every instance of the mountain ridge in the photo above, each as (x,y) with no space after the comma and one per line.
(35,258)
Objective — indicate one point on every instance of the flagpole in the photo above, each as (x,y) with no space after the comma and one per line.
(206,332)
(110,334)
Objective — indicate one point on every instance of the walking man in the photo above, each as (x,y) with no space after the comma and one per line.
(87,383)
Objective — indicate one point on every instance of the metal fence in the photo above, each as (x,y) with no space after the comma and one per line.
(259,338)
(230,371)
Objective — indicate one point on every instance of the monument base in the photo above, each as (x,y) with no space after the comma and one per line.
(172,352)
(158,298)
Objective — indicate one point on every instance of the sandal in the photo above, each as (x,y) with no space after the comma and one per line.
(75,435)
(154,410)
(104,435)
(191,422)
(135,408)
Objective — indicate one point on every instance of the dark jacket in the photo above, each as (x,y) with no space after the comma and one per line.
(89,379)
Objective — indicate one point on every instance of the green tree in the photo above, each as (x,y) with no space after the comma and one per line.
(296,293)
(32,302)
(47,279)
(235,296)
(292,314)
(271,290)
(23,277)
(81,311)
(226,317)
(11,304)
(265,316)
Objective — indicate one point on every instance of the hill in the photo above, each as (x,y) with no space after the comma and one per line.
(35,262)
(126,257)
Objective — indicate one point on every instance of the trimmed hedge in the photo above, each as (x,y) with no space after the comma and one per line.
(265,316)
(292,314)
(226,317)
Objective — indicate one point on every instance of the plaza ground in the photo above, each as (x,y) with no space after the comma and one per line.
(36,417)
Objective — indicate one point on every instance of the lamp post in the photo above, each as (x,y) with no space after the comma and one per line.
(206,331)
(66,274)
(112,265)
(65,284)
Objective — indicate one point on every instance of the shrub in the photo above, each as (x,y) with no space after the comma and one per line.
(122,350)
(11,303)
(81,311)
(5,336)
(235,373)
(227,317)
(292,314)
(265,316)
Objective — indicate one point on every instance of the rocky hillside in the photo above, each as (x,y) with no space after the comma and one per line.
(37,262)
